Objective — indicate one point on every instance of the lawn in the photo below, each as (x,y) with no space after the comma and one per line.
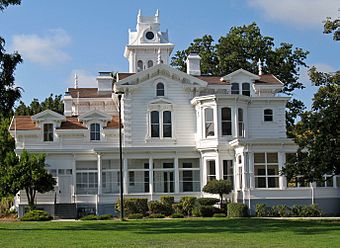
(211,232)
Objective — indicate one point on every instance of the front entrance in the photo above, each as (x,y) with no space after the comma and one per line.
(64,189)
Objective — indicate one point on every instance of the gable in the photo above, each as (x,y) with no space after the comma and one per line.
(95,115)
(48,115)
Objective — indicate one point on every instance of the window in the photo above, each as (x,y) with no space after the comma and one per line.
(266,170)
(150,63)
(154,124)
(86,177)
(246,89)
(163,176)
(268,115)
(228,171)
(226,121)
(211,170)
(131,178)
(327,182)
(235,89)
(48,132)
(139,65)
(209,122)
(110,176)
(161,126)
(95,131)
(189,175)
(167,128)
(240,123)
(160,89)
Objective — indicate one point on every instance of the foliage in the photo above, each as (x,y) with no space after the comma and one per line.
(167,200)
(317,134)
(157,207)
(306,211)
(261,210)
(37,215)
(53,102)
(29,174)
(89,217)
(156,216)
(237,210)
(5,3)
(219,187)
(207,201)
(178,208)
(5,204)
(105,217)
(177,215)
(332,26)
(219,215)
(204,211)
(135,216)
(7,144)
(284,211)
(134,206)
(188,203)
(280,211)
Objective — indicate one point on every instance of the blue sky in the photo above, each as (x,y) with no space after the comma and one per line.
(58,38)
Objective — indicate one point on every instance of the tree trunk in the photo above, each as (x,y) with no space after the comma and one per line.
(221,202)
(30,193)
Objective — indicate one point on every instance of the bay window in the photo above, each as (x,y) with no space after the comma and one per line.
(240,123)
(209,122)
(266,170)
(226,121)
(211,170)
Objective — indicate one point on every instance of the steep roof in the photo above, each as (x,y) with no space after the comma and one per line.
(23,123)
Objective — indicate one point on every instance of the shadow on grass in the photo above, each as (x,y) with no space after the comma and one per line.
(190,226)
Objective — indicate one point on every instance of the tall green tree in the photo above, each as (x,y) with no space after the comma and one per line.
(318,133)
(332,27)
(29,174)
(219,187)
(9,93)
(53,102)
(242,47)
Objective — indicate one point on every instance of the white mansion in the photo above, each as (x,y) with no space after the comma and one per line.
(180,130)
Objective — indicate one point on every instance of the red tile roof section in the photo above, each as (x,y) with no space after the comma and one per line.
(87,93)
(72,123)
(268,79)
(122,75)
(114,123)
(23,123)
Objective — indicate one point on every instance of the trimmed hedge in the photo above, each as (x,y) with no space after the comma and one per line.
(207,201)
(105,217)
(156,216)
(89,217)
(237,210)
(37,215)
(167,200)
(284,211)
(134,206)
(219,215)
(188,204)
(205,211)
(177,215)
(135,216)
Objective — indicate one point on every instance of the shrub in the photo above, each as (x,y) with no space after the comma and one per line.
(306,211)
(237,210)
(188,204)
(134,206)
(158,216)
(204,211)
(261,210)
(207,201)
(90,217)
(105,217)
(37,215)
(135,216)
(219,215)
(219,187)
(156,207)
(177,208)
(280,210)
(167,200)
(177,215)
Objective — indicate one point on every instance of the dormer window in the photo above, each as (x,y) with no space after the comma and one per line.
(209,122)
(268,115)
(235,89)
(139,65)
(246,89)
(160,89)
(48,132)
(150,63)
(94,131)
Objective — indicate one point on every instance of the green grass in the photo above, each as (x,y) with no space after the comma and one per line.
(210,232)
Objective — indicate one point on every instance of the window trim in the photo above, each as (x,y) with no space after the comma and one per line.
(266,176)
(95,131)
(206,136)
(161,124)
(243,91)
(209,175)
(138,69)
(268,115)
(226,121)
(48,132)
(241,131)
(233,91)
(160,90)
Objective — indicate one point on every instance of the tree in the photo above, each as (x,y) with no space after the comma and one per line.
(318,133)
(9,94)
(219,187)
(29,174)
(242,47)
(54,103)
(332,26)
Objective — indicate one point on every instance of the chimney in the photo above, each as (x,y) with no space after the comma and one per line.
(104,81)
(194,64)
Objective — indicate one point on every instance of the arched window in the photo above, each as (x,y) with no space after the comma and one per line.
(95,131)
(150,63)
(139,65)
(268,115)
(167,127)
(246,89)
(155,124)
(240,123)
(226,121)
(209,122)
(160,89)
(235,88)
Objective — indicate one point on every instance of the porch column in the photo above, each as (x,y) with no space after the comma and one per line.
(125,176)
(282,178)
(151,176)
(235,131)
(99,173)
(176,174)
(74,178)
(218,166)
(251,170)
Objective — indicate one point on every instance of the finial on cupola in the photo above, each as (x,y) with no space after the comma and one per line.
(157,13)
(159,59)
(259,64)
(75,81)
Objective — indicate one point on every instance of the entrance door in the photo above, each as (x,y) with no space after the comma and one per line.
(64,193)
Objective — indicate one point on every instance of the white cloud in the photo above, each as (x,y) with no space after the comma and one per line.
(85,79)
(45,50)
(303,13)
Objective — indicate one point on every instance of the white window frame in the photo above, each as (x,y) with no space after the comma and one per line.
(266,176)
(209,175)
(43,131)
(231,88)
(241,91)
(264,115)
(205,135)
(100,131)
(161,127)
(227,121)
